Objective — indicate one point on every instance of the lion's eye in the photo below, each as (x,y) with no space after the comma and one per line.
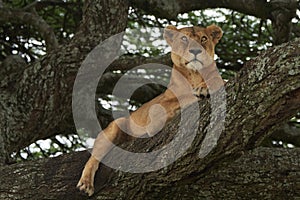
(203,39)
(184,38)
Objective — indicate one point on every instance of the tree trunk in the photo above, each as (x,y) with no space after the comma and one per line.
(264,94)
(37,103)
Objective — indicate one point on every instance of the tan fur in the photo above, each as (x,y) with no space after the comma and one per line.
(186,84)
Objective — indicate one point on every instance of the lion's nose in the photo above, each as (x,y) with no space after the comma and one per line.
(195,51)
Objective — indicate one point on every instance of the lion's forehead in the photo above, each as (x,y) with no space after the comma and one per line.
(194,32)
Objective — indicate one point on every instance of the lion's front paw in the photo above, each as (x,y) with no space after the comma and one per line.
(85,184)
(201,92)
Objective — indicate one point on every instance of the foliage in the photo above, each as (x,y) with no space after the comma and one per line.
(51,147)
(23,39)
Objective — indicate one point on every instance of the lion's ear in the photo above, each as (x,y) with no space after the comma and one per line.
(169,34)
(215,32)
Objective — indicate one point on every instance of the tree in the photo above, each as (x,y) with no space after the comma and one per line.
(36,100)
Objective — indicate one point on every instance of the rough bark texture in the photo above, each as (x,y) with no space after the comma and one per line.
(264,173)
(37,104)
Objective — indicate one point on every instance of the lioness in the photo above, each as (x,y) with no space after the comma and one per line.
(192,55)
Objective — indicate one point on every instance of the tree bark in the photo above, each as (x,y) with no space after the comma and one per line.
(265,93)
(38,103)
(265,173)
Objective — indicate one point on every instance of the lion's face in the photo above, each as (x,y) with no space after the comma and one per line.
(193,47)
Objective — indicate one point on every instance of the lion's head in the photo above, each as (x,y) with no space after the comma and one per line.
(193,47)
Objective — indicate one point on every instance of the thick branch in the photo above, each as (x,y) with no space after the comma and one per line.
(263,173)
(21,17)
(126,63)
(171,8)
(38,5)
(279,11)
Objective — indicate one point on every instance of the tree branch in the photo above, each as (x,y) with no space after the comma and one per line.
(279,11)
(21,17)
(254,175)
(38,5)
(171,8)
(128,62)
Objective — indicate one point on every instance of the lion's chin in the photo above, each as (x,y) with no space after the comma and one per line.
(194,65)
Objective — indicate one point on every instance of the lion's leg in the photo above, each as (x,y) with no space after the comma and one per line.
(102,146)
(86,182)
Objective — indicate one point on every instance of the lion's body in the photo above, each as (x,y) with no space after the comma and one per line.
(192,55)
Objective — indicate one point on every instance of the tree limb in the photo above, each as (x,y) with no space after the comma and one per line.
(128,62)
(279,11)
(262,173)
(171,8)
(38,5)
(21,17)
